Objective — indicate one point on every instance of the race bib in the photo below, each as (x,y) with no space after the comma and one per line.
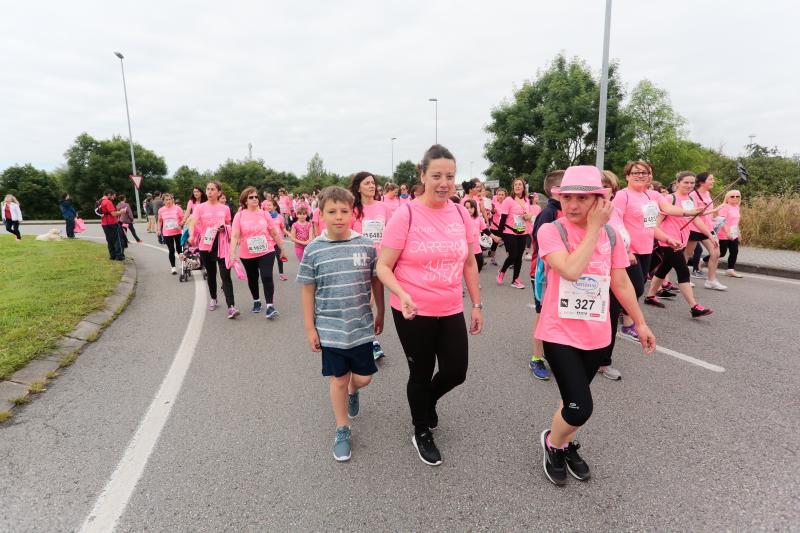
(687,205)
(208,236)
(170,224)
(372,229)
(626,237)
(519,222)
(257,244)
(584,299)
(650,211)
(733,232)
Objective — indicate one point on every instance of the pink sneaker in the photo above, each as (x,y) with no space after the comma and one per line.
(233,312)
(283,277)
(212,305)
(517,284)
(500,276)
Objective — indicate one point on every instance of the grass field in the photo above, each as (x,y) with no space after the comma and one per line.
(772,222)
(46,288)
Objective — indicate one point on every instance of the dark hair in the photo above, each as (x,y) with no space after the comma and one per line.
(216,184)
(108,191)
(455,199)
(629,167)
(203,197)
(468,186)
(65,196)
(417,189)
(701,179)
(474,206)
(122,198)
(355,185)
(524,187)
(437,151)
(553,179)
(684,174)
(335,193)
(657,186)
(302,210)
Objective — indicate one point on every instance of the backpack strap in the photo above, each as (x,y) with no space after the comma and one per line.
(612,235)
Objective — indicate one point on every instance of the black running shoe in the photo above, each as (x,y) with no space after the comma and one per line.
(553,462)
(426,448)
(575,464)
(664,293)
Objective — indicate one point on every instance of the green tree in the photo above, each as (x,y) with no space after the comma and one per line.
(316,176)
(405,173)
(95,165)
(652,119)
(36,190)
(183,181)
(551,123)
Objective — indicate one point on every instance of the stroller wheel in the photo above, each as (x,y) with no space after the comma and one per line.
(180,277)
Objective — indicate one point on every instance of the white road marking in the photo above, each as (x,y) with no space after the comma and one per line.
(113,500)
(767,278)
(681,356)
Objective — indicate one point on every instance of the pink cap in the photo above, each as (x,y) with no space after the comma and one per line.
(584,179)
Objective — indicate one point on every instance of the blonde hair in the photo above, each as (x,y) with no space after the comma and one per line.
(730,193)
(610,180)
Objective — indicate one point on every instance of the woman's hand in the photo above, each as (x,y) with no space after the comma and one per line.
(407,306)
(283,255)
(674,243)
(475,321)
(632,259)
(600,213)
(646,338)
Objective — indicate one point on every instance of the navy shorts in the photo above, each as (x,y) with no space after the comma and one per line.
(339,361)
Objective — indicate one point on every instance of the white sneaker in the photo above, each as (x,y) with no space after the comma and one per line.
(528,257)
(174,271)
(732,273)
(610,372)
(716,285)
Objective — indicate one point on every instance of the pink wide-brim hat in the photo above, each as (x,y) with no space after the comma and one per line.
(583,179)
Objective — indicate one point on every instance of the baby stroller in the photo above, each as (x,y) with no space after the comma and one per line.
(190,259)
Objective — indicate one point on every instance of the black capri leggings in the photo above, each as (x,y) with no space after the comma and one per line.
(574,370)
(495,244)
(262,265)
(636,273)
(211,261)
(672,259)
(515,247)
(724,246)
(280,263)
(173,245)
(428,340)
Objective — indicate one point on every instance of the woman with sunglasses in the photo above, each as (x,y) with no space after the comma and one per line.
(254,240)
(728,219)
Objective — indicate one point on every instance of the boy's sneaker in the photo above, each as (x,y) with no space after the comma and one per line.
(377,351)
(212,305)
(575,463)
(233,312)
(353,407)
(426,448)
(271,312)
(716,285)
(554,462)
(341,445)
(500,276)
(699,274)
(539,370)
(664,293)
(517,284)
(257,307)
(630,332)
(610,372)
(700,311)
(282,277)
(652,300)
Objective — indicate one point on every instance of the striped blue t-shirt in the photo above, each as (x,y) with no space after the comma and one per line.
(342,272)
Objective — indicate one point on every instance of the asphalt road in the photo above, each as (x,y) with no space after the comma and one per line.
(247,443)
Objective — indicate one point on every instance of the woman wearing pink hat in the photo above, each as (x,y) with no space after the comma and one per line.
(585,259)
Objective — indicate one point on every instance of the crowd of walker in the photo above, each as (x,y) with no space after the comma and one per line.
(592,249)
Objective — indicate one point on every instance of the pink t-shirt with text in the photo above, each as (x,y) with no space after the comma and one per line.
(431,265)
(630,205)
(170,216)
(732,219)
(582,334)
(373,224)
(253,224)
(512,208)
(209,216)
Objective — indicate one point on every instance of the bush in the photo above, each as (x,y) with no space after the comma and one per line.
(772,222)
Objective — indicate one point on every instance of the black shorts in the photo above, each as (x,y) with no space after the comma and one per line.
(339,361)
(696,236)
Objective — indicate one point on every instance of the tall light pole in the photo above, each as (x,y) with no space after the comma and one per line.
(435,119)
(392,174)
(130,135)
(601,121)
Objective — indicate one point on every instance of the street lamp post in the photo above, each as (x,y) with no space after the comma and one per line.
(130,135)
(435,119)
(392,173)
(601,120)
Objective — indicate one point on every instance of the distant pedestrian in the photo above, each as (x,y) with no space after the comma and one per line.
(110,224)
(126,217)
(12,215)
(69,214)
(157,203)
(148,211)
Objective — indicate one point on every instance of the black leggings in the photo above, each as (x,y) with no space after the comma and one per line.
(495,244)
(278,257)
(133,232)
(173,243)
(672,259)
(479,260)
(574,370)
(427,340)
(636,273)
(515,247)
(211,261)
(12,226)
(262,265)
(724,246)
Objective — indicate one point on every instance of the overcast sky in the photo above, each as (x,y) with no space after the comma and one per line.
(343,77)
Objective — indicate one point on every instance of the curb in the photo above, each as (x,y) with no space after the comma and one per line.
(763,270)
(33,378)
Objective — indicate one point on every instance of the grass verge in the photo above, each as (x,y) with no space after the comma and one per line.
(47,288)
(772,222)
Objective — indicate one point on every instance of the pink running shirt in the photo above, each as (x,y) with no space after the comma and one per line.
(631,205)
(705,201)
(513,209)
(478,225)
(254,225)
(208,218)
(677,227)
(732,219)
(171,218)
(373,224)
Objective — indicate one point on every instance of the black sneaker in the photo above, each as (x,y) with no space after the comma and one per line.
(553,462)
(426,448)
(664,293)
(575,464)
(652,300)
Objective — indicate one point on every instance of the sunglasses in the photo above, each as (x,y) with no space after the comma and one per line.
(735,196)
(253,197)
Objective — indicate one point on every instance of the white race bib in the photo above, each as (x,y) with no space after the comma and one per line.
(519,222)
(687,205)
(584,299)
(170,224)
(733,232)
(257,244)
(650,211)
(208,236)
(372,229)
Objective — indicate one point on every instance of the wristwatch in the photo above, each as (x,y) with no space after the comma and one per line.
(477,306)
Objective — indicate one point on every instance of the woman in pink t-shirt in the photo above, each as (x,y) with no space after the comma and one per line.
(702,231)
(494,226)
(515,216)
(574,323)
(390,197)
(170,226)
(425,253)
(197,197)
(729,233)
(672,237)
(274,213)
(209,220)
(478,228)
(254,238)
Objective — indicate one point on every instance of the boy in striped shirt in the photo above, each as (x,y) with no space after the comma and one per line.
(337,274)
